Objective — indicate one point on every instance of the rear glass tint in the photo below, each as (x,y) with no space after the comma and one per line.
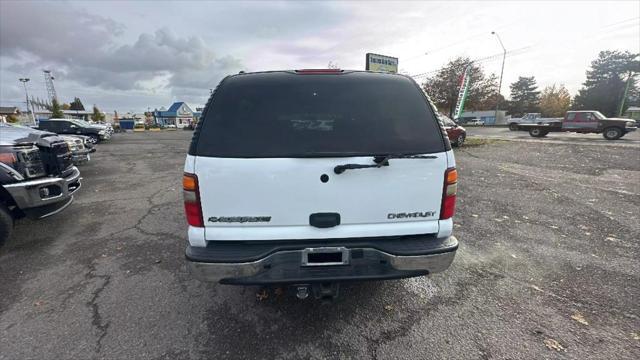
(290,115)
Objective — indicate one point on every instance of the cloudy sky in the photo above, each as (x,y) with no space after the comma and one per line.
(129,56)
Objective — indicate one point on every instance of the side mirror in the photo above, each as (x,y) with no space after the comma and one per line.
(73,126)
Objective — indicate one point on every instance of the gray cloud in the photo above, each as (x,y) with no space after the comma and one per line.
(92,53)
(150,53)
(83,48)
(48,30)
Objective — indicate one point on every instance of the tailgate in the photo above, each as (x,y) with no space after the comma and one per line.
(273,198)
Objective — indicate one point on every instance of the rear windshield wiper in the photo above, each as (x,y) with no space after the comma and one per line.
(379,161)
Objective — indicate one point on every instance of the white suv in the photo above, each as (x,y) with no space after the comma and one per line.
(313,177)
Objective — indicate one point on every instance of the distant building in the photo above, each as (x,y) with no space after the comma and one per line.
(68,114)
(633,112)
(179,114)
(488,116)
(6,111)
(78,114)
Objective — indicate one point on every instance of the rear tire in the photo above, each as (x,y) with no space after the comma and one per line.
(459,140)
(612,133)
(93,139)
(513,127)
(538,132)
(6,224)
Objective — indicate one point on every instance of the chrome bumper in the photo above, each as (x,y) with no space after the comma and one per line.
(44,191)
(215,272)
(80,156)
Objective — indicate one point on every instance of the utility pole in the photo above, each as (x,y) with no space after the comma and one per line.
(48,82)
(33,113)
(624,95)
(504,55)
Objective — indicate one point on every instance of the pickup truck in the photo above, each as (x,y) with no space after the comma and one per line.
(586,121)
(529,118)
(37,177)
(80,148)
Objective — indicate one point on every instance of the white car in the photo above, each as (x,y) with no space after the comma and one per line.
(476,121)
(314,177)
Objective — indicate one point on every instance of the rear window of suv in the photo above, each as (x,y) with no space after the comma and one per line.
(283,114)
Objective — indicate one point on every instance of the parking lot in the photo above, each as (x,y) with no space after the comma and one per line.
(547,268)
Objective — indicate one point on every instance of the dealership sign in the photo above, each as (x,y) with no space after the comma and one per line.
(376,62)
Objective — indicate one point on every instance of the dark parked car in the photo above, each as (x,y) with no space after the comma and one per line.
(456,133)
(95,133)
(37,177)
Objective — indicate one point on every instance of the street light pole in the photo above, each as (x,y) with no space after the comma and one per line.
(504,55)
(26,94)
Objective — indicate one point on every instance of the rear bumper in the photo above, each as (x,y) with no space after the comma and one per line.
(366,259)
(45,196)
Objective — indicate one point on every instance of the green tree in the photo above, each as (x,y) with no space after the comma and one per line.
(554,101)
(76,104)
(56,110)
(97,114)
(443,87)
(525,97)
(604,88)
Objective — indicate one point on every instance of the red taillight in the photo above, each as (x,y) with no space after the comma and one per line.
(318,71)
(194,214)
(192,200)
(448,207)
(8,158)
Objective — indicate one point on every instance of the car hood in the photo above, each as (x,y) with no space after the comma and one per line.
(10,135)
(76,136)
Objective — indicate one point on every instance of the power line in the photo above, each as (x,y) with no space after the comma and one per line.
(479,60)
(462,41)
(513,52)
(621,22)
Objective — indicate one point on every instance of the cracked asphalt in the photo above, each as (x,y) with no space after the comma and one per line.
(547,269)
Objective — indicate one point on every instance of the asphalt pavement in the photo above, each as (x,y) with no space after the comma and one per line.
(547,269)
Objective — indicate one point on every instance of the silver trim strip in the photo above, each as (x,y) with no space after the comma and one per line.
(59,209)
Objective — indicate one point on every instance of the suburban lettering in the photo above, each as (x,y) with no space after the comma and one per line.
(240,219)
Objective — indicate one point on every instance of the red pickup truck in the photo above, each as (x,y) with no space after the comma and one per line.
(587,121)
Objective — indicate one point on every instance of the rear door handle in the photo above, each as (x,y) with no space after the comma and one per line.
(324,220)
